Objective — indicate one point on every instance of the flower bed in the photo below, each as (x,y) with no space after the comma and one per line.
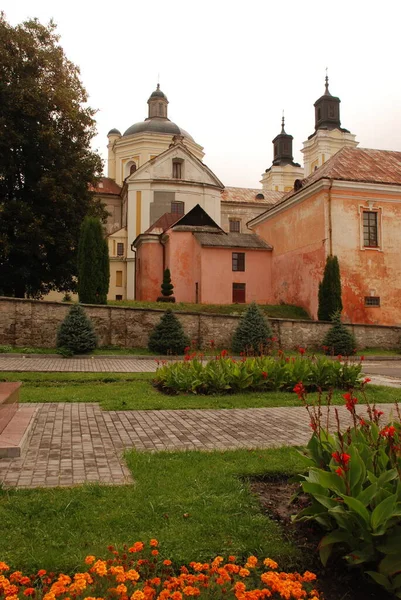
(224,374)
(355,489)
(138,573)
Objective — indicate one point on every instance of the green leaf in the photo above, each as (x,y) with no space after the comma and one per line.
(335,537)
(324,553)
(391,564)
(386,477)
(357,469)
(383,512)
(380,579)
(392,542)
(357,507)
(328,480)
(368,494)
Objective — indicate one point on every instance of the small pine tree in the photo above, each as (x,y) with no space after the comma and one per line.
(76,332)
(253,331)
(167,286)
(168,336)
(330,290)
(338,339)
(93,263)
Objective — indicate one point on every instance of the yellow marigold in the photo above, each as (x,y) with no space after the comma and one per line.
(268,562)
(154,543)
(314,593)
(90,559)
(244,572)
(4,566)
(189,590)
(251,562)
(138,595)
(132,575)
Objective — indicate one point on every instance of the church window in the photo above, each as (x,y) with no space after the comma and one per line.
(238,293)
(132,168)
(160,109)
(119,297)
(177,169)
(238,261)
(235,225)
(120,249)
(119,278)
(370,229)
(177,208)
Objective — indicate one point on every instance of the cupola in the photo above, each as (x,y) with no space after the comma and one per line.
(282,145)
(327,110)
(157,104)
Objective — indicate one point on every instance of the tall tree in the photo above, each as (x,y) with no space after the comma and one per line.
(93,263)
(330,290)
(46,164)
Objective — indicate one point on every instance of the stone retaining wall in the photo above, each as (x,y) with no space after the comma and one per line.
(34,323)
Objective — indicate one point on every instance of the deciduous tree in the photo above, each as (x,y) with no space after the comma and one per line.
(46,163)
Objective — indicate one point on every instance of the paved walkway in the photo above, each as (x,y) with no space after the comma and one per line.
(78,365)
(73,443)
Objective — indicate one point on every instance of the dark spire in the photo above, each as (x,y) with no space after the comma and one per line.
(327,110)
(282,145)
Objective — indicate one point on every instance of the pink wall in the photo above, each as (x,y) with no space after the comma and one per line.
(218,276)
(298,236)
(183,260)
(149,274)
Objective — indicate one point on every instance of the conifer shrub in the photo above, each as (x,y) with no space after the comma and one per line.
(166,288)
(76,333)
(168,336)
(330,290)
(93,263)
(338,339)
(253,332)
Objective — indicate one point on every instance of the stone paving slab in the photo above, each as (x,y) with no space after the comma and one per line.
(78,365)
(73,443)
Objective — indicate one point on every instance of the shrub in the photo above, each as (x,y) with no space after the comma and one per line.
(139,572)
(5,349)
(76,332)
(253,332)
(168,336)
(93,263)
(167,288)
(338,339)
(225,375)
(355,487)
(330,290)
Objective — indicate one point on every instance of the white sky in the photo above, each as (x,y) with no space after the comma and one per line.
(228,69)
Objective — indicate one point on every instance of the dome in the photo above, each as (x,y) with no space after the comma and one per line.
(157,125)
(114,131)
(158,93)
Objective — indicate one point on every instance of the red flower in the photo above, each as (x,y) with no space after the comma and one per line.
(223,353)
(212,343)
(342,459)
(388,432)
(340,472)
(29,591)
(187,349)
(301,351)
(362,423)
(313,426)
(339,357)
(264,374)
(350,401)
(299,389)
(367,380)
(362,358)
(378,413)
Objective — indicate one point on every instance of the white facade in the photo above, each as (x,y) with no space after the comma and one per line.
(323,145)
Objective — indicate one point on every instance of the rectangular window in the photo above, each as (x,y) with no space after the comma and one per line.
(238,293)
(120,249)
(119,297)
(177,208)
(370,230)
(238,261)
(119,278)
(235,226)
(177,170)
(372,300)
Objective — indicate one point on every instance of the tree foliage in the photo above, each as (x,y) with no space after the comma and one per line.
(76,332)
(168,336)
(46,164)
(167,286)
(338,339)
(252,333)
(330,290)
(93,263)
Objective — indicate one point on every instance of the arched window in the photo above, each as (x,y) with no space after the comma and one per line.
(132,168)
(160,109)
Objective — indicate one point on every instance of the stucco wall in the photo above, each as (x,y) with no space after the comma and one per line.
(35,323)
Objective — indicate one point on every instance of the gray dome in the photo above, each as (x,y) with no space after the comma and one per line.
(157,125)
(114,132)
(158,93)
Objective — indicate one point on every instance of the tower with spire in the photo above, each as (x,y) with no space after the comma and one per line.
(281,175)
(329,137)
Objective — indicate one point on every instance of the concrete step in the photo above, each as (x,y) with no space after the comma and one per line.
(16,433)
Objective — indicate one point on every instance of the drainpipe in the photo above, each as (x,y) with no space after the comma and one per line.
(330,220)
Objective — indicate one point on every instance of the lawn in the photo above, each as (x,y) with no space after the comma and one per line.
(134,391)
(197,504)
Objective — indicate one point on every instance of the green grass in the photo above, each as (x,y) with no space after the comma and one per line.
(133,391)
(279,311)
(55,529)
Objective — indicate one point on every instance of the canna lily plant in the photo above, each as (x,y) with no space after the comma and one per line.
(354,483)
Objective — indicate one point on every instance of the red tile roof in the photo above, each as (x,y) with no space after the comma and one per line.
(248,196)
(106,185)
(164,222)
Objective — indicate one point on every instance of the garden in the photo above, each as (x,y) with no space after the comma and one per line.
(323,521)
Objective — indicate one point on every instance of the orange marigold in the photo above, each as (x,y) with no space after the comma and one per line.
(90,559)
(244,572)
(29,591)
(154,543)
(155,552)
(41,573)
(137,547)
(189,590)
(132,575)
(251,562)
(4,566)
(166,563)
(268,562)
(308,576)
(121,589)
(176,596)
(138,595)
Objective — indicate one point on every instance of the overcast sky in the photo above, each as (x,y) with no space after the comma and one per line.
(229,68)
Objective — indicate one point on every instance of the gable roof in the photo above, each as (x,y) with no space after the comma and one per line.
(197,219)
(173,147)
(164,222)
(106,185)
(361,165)
(248,196)
(232,240)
